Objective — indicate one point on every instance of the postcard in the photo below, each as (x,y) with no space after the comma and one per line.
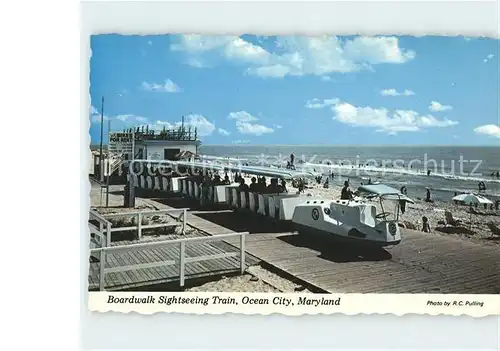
(294,174)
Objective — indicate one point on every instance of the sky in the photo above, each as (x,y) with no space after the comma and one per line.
(286,90)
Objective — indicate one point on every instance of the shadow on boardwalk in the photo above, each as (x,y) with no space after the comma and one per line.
(337,252)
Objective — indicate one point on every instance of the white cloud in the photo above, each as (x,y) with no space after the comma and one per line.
(141,119)
(244,126)
(438,107)
(223,132)
(488,58)
(296,56)
(242,116)
(93,110)
(131,120)
(326,78)
(272,71)
(241,141)
(488,129)
(239,49)
(123,118)
(278,126)
(168,87)
(95,115)
(384,121)
(203,125)
(317,103)
(394,92)
(196,62)
(254,129)
(199,43)
(377,50)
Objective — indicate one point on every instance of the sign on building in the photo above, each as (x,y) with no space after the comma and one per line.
(121,143)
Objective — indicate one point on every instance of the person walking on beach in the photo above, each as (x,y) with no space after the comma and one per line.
(428,195)
(292,158)
(300,185)
(326,185)
(425,225)
(402,203)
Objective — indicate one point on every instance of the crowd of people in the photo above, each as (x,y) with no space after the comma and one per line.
(259,185)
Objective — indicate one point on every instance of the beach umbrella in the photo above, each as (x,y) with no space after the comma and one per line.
(470,199)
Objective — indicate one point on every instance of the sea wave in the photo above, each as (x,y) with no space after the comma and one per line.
(366,170)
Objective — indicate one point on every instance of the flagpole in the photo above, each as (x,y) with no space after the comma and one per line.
(102,133)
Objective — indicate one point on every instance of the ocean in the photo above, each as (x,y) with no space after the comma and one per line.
(452,168)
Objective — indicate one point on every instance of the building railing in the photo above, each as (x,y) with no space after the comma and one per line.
(174,135)
(182,260)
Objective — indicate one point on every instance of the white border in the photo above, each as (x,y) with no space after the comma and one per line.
(236,331)
(470,18)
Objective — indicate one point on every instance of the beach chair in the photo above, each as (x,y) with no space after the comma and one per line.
(494,229)
(451,221)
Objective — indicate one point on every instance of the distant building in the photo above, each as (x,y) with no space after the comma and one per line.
(166,145)
(142,143)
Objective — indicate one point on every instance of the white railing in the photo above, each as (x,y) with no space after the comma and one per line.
(182,260)
(104,230)
(139,215)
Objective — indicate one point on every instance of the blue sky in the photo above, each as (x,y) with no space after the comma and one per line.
(300,90)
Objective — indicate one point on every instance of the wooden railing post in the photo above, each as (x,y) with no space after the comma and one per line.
(182,255)
(184,222)
(242,253)
(101,232)
(139,225)
(102,266)
(108,235)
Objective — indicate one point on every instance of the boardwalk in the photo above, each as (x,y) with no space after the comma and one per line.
(140,278)
(422,263)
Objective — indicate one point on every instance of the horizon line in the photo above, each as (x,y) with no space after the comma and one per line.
(344,145)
